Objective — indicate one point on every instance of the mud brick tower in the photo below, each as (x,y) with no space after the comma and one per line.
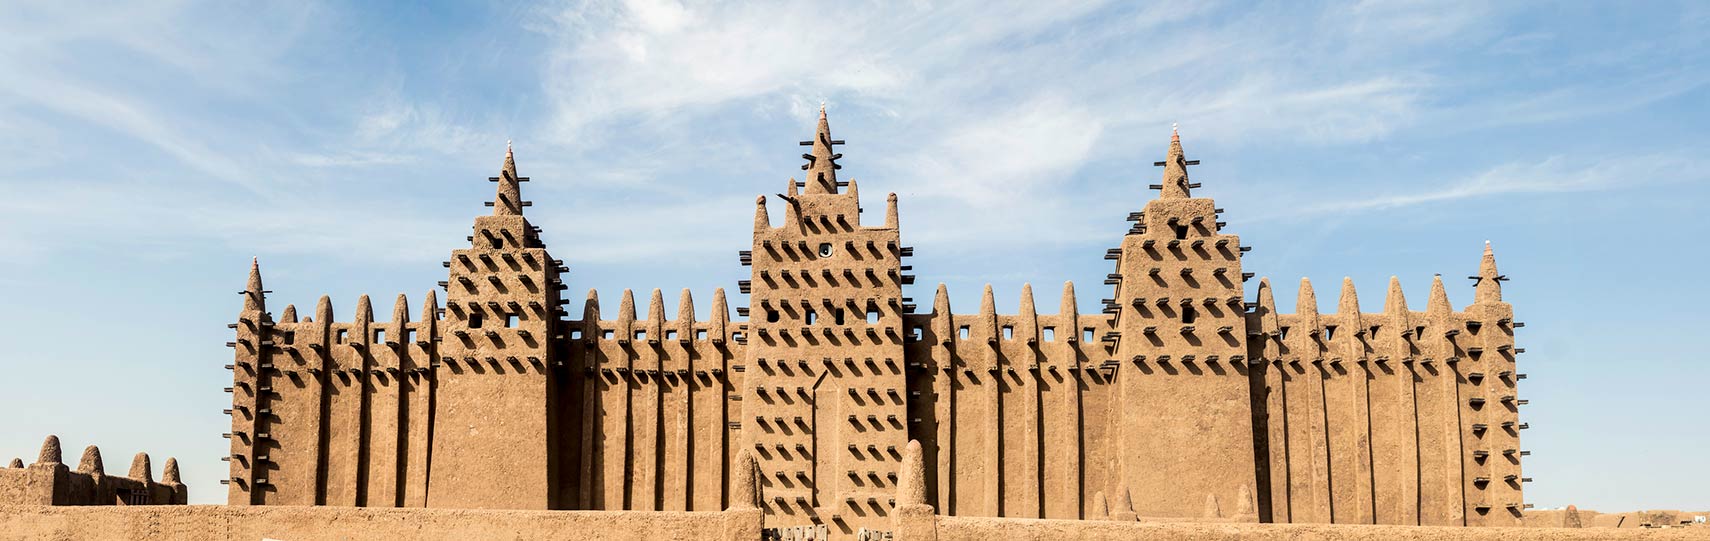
(1183,397)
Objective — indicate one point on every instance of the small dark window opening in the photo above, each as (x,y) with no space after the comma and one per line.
(640,335)
(1282,333)
(1008,332)
(1050,334)
(837,316)
(771,316)
(914,334)
(1187,315)
(576,333)
(701,334)
(290,337)
(1329,333)
(670,335)
(1419,332)
(812,317)
(1087,333)
(379,335)
(825,249)
(339,338)
(510,320)
(607,334)
(1181,231)
(497,243)
(872,316)
(474,321)
(964,332)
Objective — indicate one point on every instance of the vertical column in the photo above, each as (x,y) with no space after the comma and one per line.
(416,383)
(1348,415)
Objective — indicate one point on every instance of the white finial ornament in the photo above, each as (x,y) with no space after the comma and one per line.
(1173,127)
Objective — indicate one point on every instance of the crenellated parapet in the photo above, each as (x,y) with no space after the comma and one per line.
(49,481)
(1417,408)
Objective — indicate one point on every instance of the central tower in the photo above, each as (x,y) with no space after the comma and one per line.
(824,395)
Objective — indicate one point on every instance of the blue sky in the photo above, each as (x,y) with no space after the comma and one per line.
(150,150)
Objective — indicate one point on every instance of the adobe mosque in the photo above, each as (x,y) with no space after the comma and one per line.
(1188,396)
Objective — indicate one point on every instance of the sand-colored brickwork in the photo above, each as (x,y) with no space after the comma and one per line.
(1186,396)
(49,481)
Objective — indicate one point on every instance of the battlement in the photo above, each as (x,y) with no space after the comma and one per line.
(48,481)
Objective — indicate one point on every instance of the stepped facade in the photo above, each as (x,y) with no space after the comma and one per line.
(1186,396)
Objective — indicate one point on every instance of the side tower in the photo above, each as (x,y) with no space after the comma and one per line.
(1491,403)
(495,429)
(1181,424)
(250,387)
(823,405)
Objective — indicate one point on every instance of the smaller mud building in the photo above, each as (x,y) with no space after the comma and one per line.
(1186,396)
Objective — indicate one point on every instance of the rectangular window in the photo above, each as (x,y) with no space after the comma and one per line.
(1329,333)
(379,336)
(837,316)
(872,316)
(701,334)
(290,337)
(963,332)
(510,321)
(339,338)
(409,335)
(576,333)
(640,335)
(1087,334)
(1008,332)
(607,334)
(474,321)
(915,334)
(670,335)
(1188,315)
(1050,334)
(812,317)
(1283,333)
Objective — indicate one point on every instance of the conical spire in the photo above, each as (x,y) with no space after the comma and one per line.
(430,313)
(170,476)
(655,316)
(91,461)
(289,315)
(400,311)
(1268,325)
(891,211)
(1028,330)
(1306,310)
(1100,509)
(1489,288)
(720,317)
(1175,169)
(822,163)
(744,486)
(141,469)
(762,220)
(1070,309)
(942,328)
(911,484)
(1437,306)
(1395,301)
(15,463)
(50,451)
(1348,312)
(364,314)
(988,315)
(323,310)
(685,317)
(253,298)
(508,200)
(626,317)
(591,315)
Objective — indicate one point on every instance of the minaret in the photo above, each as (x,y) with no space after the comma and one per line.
(251,354)
(1488,288)
(495,391)
(1178,343)
(827,331)
(1499,499)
